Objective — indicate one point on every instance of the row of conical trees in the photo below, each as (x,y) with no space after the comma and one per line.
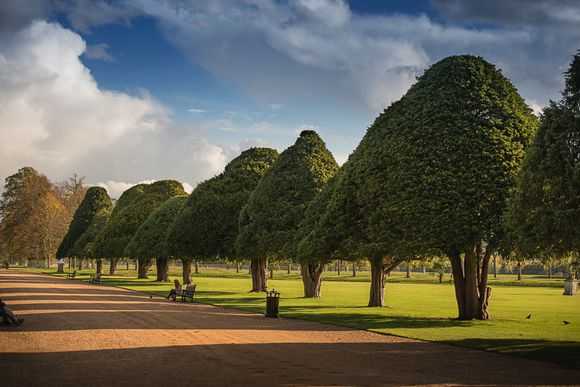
(434,175)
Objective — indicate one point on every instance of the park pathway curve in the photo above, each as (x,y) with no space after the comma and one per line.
(77,334)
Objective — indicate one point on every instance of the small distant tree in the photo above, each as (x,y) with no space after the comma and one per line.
(131,210)
(95,202)
(207,226)
(270,220)
(150,240)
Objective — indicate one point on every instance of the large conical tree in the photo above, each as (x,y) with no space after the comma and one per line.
(95,203)
(546,206)
(150,240)
(270,220)
(432,176)
(132,209)
(208,223)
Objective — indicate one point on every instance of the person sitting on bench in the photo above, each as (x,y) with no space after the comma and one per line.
(8,317)
(174,292)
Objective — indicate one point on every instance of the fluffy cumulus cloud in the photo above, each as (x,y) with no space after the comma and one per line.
(330,53)
(282,54)
(54,116)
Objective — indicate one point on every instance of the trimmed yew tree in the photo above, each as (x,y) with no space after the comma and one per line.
(150,240)
(84,247)
(132,209)
(271,218)
(314,250)
(432,176)
(95,205)
(546,206)
(207,226)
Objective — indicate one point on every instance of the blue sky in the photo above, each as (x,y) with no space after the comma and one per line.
(135,90)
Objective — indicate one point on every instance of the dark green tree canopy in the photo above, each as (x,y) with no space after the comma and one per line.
(546,206)
(208,224)
(435,169)
(150,240)
(132,209)
(269,222)
(572,89)
(95,202)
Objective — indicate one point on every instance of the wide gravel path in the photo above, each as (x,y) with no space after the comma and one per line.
(77,334)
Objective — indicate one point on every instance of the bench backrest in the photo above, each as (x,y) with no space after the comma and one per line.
(177,284)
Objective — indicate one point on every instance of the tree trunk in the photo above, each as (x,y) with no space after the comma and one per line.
(143,265)
(338,268)
(162,264)
(60,268)
(550,270)
(289,267)
(259,280)
(113,267)
(186,263)
(354,269)
(271,272)
(99,269)
(311,278)
(237,267)
(495,266)
(408,269)
(80,266)
(441,277)
(377,291)
(519,271)
(196,267)
(470,279)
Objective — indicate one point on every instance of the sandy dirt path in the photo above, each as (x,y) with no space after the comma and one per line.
(82,335)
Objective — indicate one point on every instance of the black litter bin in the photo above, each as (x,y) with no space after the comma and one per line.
(272,303)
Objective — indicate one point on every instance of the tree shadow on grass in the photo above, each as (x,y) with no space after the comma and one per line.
(564,353)
(374,321)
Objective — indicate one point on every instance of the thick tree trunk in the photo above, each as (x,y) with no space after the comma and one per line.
(311,278)
(237,267)
(162,264)
(377,291)
(186,268)
(99,269)
(354,269)
(289,267)
(259,280)
(550,270)
(127,263)
(60,268)
(143,266)
(196,266)
(470,279)
(338,268)
(113,267)
(519,271)
(408,275)
(441,277)
(495,266)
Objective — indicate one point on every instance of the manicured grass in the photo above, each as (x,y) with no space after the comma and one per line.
(423,311)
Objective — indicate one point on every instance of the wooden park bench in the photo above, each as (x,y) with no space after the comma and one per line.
(188,293)
(71,275)
(95,279)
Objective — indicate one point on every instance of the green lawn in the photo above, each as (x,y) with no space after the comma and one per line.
(417,308)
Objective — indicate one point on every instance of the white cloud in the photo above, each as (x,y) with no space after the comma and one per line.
(195,110)
(54,117)
(99,51)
